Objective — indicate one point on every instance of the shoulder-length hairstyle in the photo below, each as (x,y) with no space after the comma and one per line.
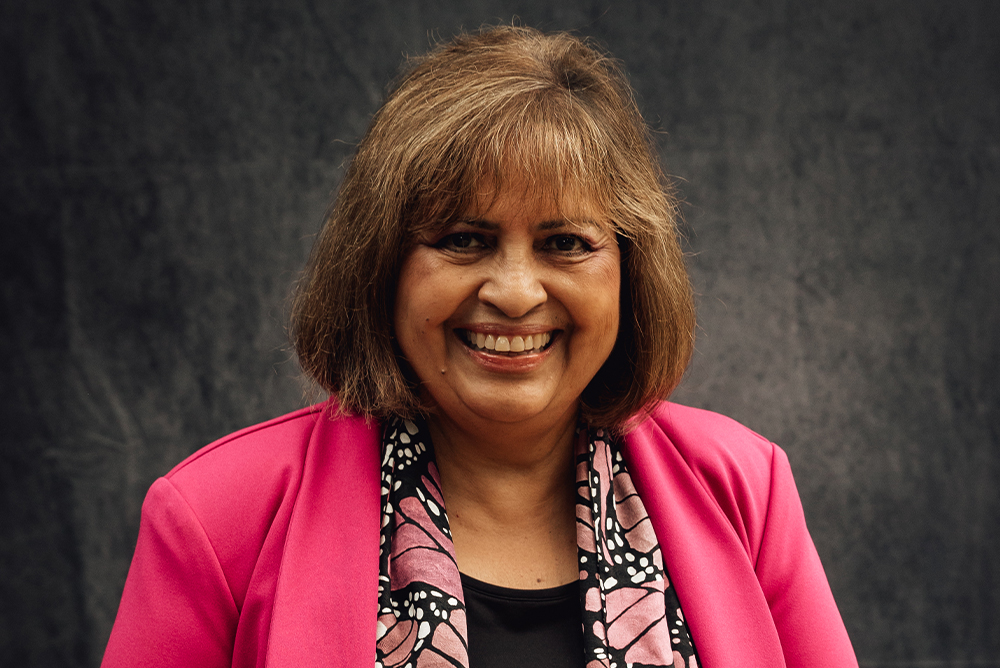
(505,105)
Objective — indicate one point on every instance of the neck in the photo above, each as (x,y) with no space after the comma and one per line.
(504,448)
(510,496)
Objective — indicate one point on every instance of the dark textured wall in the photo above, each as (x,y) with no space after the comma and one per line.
(164,166)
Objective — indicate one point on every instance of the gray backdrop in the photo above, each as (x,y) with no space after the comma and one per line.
(165,166)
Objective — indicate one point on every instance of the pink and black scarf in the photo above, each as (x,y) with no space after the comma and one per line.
(631,614)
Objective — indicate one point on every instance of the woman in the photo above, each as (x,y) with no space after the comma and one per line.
(498,306)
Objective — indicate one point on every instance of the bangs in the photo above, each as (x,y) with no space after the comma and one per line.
(536,145)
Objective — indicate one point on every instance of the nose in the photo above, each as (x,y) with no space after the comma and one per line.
(514,286)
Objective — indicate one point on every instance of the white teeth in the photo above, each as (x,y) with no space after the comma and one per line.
(503,344)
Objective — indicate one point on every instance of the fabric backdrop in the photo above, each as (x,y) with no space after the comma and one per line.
(164,167)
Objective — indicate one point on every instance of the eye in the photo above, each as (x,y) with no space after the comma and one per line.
(461,241)
(566,243)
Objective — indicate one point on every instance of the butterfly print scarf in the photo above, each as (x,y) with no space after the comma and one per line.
(631,614)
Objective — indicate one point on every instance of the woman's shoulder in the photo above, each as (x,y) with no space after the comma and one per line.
(266,446)
(241,490)
(266,459)
(712,461)
(233,482)
(704,434)
(720,451)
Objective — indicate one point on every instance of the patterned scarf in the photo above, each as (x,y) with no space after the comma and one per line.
(631,615)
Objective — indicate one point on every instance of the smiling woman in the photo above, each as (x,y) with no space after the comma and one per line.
(498,307)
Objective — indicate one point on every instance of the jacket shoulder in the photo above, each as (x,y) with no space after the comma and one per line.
(241,488)
(258,448)
(711,442)
(734,467)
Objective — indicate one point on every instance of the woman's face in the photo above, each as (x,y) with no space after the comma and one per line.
(507,315)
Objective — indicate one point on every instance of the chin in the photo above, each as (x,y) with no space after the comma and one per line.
(509,415)
(512,411)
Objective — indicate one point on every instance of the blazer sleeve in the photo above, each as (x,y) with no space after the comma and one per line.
(788,568)
(177,608)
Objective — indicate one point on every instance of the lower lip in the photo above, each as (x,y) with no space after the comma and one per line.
(509,364)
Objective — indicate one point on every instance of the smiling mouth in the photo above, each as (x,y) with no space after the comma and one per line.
(506,345)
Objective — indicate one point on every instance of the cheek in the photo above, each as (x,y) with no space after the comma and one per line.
(607,296)
(422,304)
(407,316)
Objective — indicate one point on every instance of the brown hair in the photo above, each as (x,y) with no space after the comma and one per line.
(505,104)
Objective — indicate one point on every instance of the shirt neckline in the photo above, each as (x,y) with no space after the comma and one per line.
(557,593)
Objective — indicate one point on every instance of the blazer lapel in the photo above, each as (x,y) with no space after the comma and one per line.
(326,598)
(725,609)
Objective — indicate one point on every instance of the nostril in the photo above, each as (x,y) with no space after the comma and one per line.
(514,296)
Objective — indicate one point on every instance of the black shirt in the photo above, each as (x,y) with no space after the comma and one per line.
(523,627)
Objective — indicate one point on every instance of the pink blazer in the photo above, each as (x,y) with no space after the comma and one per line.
(261,549)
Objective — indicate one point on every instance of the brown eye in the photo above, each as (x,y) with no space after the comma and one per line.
(461,241)
(565,243)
